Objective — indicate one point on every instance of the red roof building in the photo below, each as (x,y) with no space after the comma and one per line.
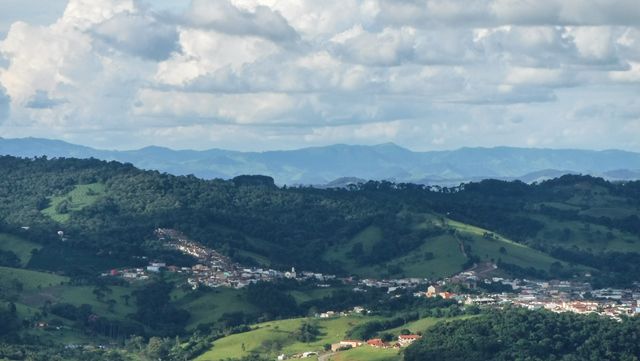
(405,340)
(376,342)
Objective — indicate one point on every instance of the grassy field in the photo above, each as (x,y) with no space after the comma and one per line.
(499,247)
(30,280)
(367,353)
(21,247)
(368,237)
(313,294)
(209,306)
(590,237)
(81,196)
(437,257)
(272,338)
(442,256)
(84,295)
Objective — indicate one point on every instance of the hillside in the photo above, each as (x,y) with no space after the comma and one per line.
(63,222)
(331,164)
(559,228)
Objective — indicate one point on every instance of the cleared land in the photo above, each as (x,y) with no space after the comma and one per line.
(81,196)
(30,280)
(208,307)
(367,353)
(271,338)
(21,247)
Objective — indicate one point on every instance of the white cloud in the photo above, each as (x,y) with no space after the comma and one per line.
(271,72)
(221,15)
(5,103)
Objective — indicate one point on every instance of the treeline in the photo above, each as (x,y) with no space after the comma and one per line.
(518,334)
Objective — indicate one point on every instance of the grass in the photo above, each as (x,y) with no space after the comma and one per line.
(489,248)
(367,353)
(30,280)
(368,237)
(591,237)
(21,247)
(314,294)
(84,295)
(437,257)
(447,259)
(272,338)
(208,306)
(521,255)
(81,196)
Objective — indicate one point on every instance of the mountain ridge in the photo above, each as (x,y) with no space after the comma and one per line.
(321,165)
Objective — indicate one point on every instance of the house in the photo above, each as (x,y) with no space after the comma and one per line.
(446,295)
(153,269)
(406,340)
(432,291)
(345,344)
(328,314)
(376,342)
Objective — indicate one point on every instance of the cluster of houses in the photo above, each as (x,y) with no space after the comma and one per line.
(213,269)
(216,270)
(556,296)
(402,341)
(357,310)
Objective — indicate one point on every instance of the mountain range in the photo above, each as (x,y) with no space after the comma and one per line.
(338,165)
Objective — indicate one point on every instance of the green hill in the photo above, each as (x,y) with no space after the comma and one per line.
(557,228)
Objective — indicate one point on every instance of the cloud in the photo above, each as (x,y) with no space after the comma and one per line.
(139,35)
(422,73)
(223,16)
(41,100)
(5,103)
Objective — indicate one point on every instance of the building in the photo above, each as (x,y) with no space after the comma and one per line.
(446,295)
(406,340)
(432,291)
(153,269)
(346,344)
(376,342)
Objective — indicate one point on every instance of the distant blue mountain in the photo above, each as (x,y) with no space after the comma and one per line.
(322,165)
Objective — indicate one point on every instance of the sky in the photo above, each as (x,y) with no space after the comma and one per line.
(284,74)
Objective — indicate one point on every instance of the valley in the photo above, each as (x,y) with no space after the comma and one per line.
(103,259)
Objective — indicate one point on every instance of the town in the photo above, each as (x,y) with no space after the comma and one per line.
(216,270)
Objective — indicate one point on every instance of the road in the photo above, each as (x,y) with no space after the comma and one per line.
(326,356)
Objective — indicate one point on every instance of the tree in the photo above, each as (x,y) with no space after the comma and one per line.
(157,348)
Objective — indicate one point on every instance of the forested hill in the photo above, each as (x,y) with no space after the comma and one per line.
(107,210)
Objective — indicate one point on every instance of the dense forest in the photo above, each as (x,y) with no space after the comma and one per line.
(578,220)
(518,334)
